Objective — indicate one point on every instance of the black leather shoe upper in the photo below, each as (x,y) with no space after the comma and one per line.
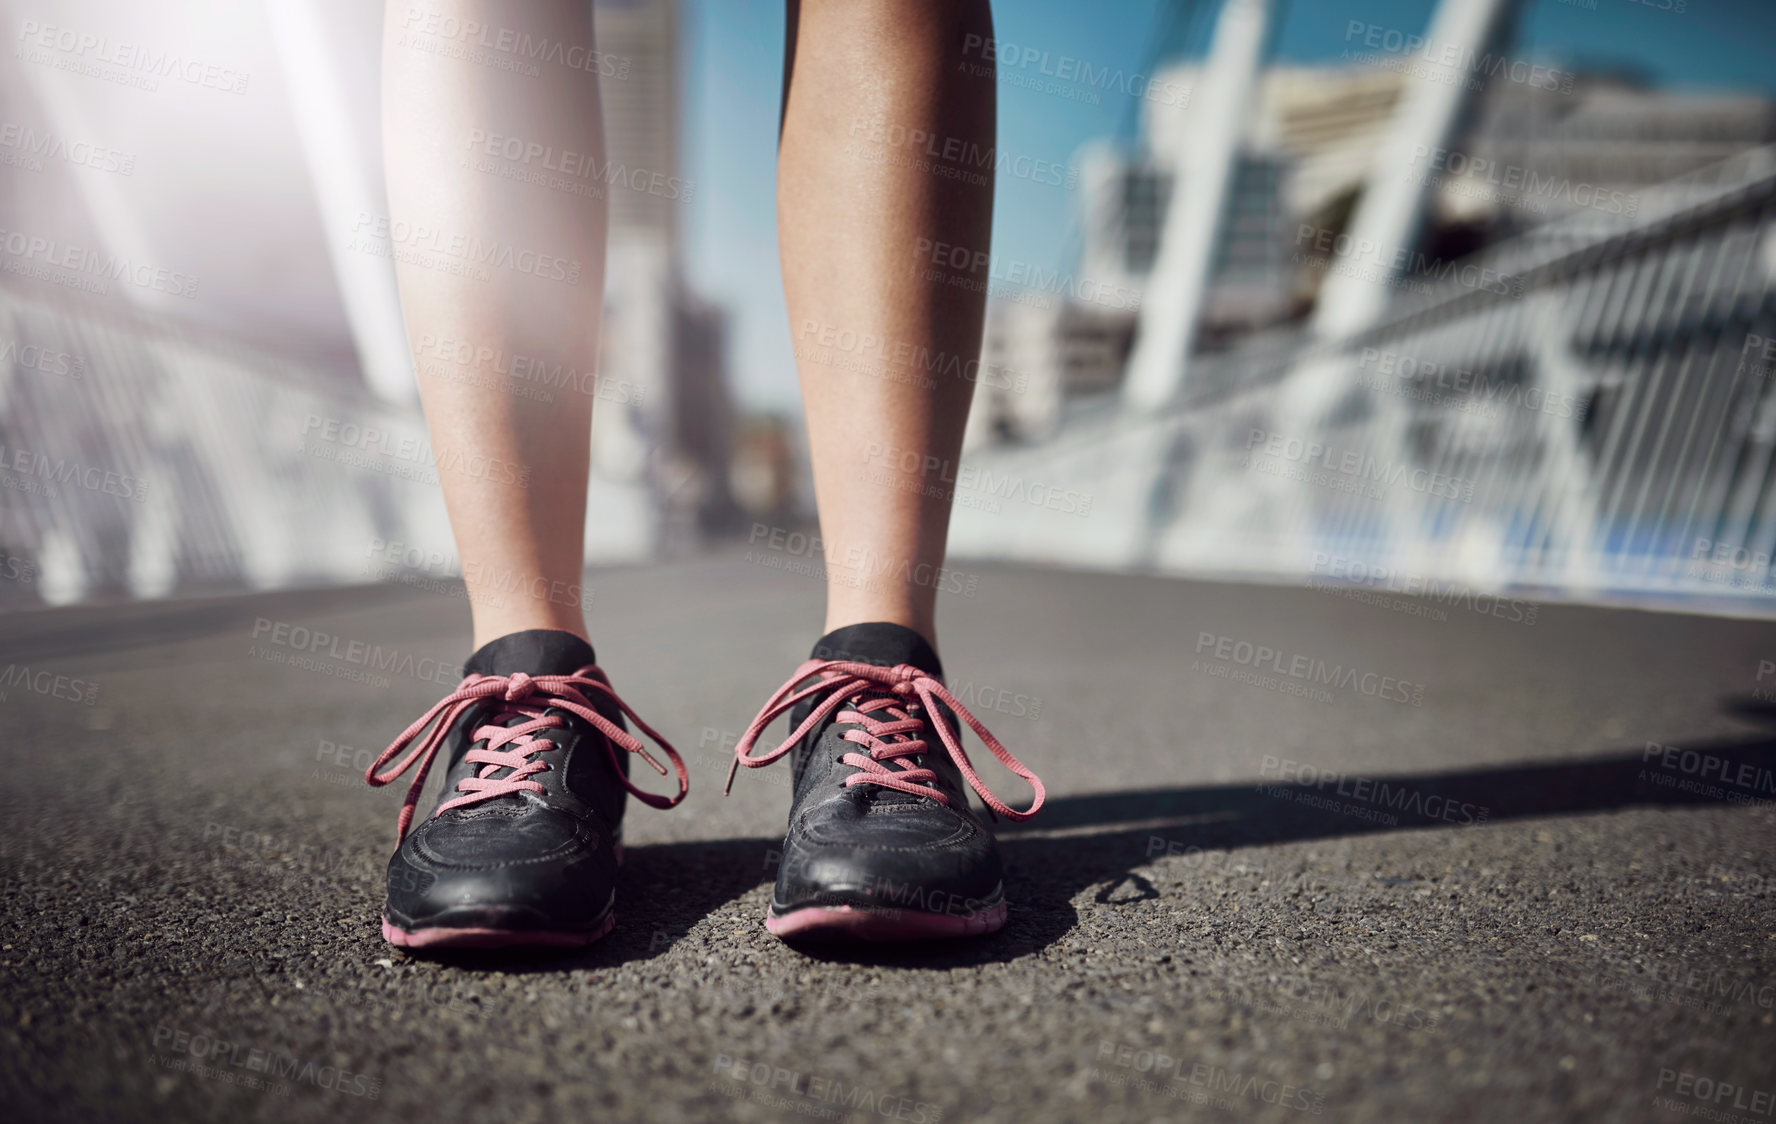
(522,860)
(864,845)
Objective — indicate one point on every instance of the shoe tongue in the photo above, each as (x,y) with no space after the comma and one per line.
(886,645)
(536,651)
(880,643)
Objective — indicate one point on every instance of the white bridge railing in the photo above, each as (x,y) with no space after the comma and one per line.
(1586,409)
(138,460)
(141,460)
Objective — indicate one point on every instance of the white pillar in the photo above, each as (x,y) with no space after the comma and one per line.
(1392,208)
(1201,179)
(344,189)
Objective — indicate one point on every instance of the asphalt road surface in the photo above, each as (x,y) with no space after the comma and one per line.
(1306,854)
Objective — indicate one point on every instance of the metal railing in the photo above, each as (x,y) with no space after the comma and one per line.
(141,459)
(1586,408)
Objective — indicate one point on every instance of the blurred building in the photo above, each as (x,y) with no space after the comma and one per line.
(1312,133)
(766,471)
(699,500)
(664,349)
(1036,358)
(1076,346)
(1606,151)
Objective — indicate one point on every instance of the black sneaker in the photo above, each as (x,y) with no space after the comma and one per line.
(882,844)
(524,845)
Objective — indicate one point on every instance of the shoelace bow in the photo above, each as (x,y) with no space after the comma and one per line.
(844,681)
(532,697)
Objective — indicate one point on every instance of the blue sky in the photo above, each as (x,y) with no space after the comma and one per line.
(733,59)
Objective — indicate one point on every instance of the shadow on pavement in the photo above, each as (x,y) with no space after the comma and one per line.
(671,887)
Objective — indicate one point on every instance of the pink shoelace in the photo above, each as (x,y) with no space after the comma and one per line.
(881,718)
(510,747)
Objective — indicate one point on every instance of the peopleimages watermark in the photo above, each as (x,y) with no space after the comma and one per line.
(1013,279)
(1370,584)
(22,470)
(1755,883)
(950,157)
(264,849)
(1401,267)
(812,1094)
(910,470)
(61,263)
(120,61)
(1065,76)
(1305,675)
(522,375)
(455,252)
(1513,185)
(360,445)
(977,697)
(1195,855)
(861,567)
(14,568)
(328,752)
(502,48)
(1729,563)
(1467,390)
(211,1055)
(48,684)
(1347,470)
(1708,1099)
(309,648)
(1708,988)
(564,170)
(1198,1082)
(434,571)
(898,360)
(1302,779)
(1765,692)
(46,360)
(1759,348)
(22,146)
(1449,63)
(1708,774)
(891,897)
(715,748)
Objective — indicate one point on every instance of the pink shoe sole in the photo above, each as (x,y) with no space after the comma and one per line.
(491,938)
(845,922)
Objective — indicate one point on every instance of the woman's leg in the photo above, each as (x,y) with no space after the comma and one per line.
(885,170)
(493,266)
(885,161)
(513,469)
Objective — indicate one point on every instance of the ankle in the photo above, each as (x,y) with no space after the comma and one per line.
(491,626)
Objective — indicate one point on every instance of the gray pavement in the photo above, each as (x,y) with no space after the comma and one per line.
(1500,905)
